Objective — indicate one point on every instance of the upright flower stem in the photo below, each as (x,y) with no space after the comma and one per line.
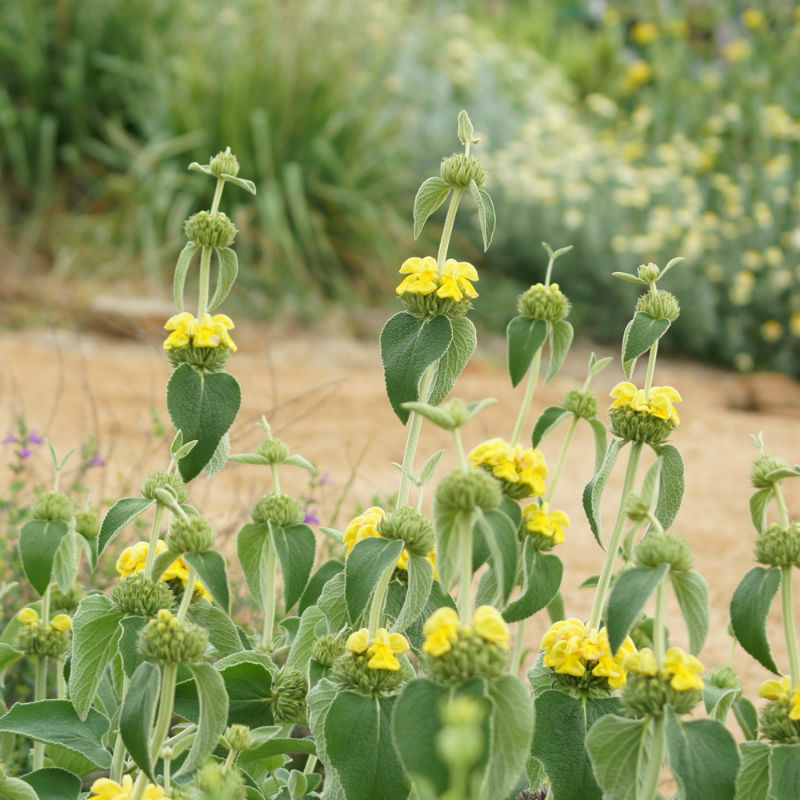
(154,535)
(459,447)
(39,693)
(651,368)
(533,378)
(519,645)
(776,491)
(465,564)
(269,611)
(276,483)
(790,626)
(378,602)
(658,623)
(613,544)
(188,592)
(447,230)
(656,762)
(561,459)
(412,442)
(205,279)
(118,759)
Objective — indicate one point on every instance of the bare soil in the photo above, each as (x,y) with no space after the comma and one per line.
(322,391)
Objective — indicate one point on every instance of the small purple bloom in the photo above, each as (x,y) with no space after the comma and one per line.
(311,518)
(25,453)
(34,438)
(326,480)
(10,438)
(97,461)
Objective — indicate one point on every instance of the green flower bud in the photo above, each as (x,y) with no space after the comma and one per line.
(87,524)
(51,506)
(664,548)
(142,596)
(289,696)
(65,601)
(237,738)
(278,508)
(649,272)
(470,656)
(776,725)
(224,163)
(458,412)
(581,404)
(190,535)
(167,640)
(210,231)
(327,649)
(411,527)
(659,304)
(165,480)
(274,450)
(351,671)
(461,741)
(467,490)
(647,695)
(542,302)
(724,678)
(635,508)
(210,359)
(428,306)
(762,467)
(779,546)
(639,426)
(43,640)
(213,782)
(459,170)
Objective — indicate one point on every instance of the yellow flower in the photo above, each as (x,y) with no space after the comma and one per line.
(455,280)
(515,465)
(771,330)
(794,324)
(754,19)
(107,789)
(684,668)
(658,404)
(385,646)
(358,642)
(794,711)
(775,690)
(563,629)
(213,332)
(539,519)
(737,50)
(641,663)
(134,558)
(62,623)
(639,73)
(441,630)
(644,32)
(490,625)
(183,327)
(28,617)
(566,657)
(362,527)
(422,276)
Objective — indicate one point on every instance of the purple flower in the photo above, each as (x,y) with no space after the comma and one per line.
(97,461)
(10,438)
(311,518)
(25,453)
(34,438)
(326,480)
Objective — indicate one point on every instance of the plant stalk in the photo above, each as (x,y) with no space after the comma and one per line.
(276,483)
(154,536)
(269,610)
(519,646)
(465,565)
(533,377)
(39,693)
(188,593)
(659,637)
(447,230)
(790,626)
(561,459)
(656,761)
(378,602)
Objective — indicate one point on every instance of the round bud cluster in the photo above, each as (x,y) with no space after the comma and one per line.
(724,678)
(411,527)
(664,548)
(87,524)
(210,359)
(428,306)
(649,272)
(190,535)
(762,467)
(167,640)
(214,782)
(467,490)
(469,656)
(460,743)
(278,508)
(224,163)
(65,601)
(635,508)
(51,506)
(638,426)
(457,411)
(289,696)
(142,596)
(165,480)
(542,302)
(776,724)
(351,671)
(461,170)
(327,649)
(659,304)
(237,738)
(37,639)
(273,450)
(210,231)
(779,546)
(581,404)
(648,694)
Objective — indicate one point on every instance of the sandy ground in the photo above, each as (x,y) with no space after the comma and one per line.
(323,393)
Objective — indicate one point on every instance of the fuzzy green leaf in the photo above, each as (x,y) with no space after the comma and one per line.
(617,748)
(203,406)
(296,547)
(500,533)
(600,442)
(307,634)
(525,339)
(486,214)
(753,779)
(785,771)
(758,508)
(631,591)
(549,420)
(643,334)
(594,489)
(561,334)
(691,590)
(65,563)
(222,633)
(702,756)
(95,633)
(39,541)
(242,183)
(50,783)
(119,515)
(455,358)
(17,789)
(212,570)
(220,458)
(671,484)
(627,366)
(252,544)
(365,565)
(420,581)
(181,268)
(747,717)
(430,195)
(228,270)
(541,579)
(750,607)
(138,715)
(624,276)
(719,702)
(128,643)
(408,347)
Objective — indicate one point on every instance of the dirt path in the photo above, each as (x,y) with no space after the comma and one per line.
(323,393)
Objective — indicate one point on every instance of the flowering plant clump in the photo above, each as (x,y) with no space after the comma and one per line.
(399,643)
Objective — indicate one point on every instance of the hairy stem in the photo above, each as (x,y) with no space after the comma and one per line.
(659,629)
(776,491)
(462,459)
(276,483)
(465,565)
(656,761)
(378,602)
(447,231)
(39,693)
(154,537)
(561,459)
(533,377)
(269,610)
(651,368)
(790,625)
(519,646)
(188,593)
